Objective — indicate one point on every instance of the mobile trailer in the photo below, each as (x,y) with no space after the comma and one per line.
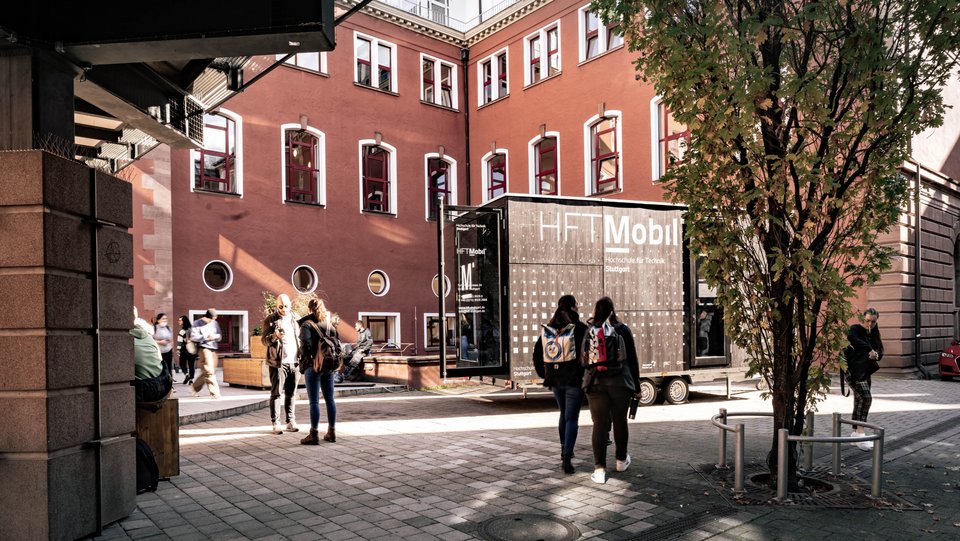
(516,255)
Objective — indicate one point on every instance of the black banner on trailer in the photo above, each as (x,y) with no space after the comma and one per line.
(477,239)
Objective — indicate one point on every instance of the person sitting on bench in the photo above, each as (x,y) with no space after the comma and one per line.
(152,382)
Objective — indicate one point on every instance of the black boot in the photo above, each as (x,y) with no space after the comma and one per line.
(567,465)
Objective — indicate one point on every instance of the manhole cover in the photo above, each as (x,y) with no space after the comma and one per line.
(528,528)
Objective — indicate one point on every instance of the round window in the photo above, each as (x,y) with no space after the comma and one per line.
(378,283)
(304,279)
(436,286)
(217,275)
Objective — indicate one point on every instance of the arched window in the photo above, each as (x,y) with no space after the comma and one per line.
(215,165)
(302,163)
(376,179)
(604,156)
(438,182)
(546,172)
(496,172)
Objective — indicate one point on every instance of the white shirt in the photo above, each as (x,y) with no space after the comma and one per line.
(289,340)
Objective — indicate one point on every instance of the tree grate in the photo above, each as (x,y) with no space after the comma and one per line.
(675,528)
(848,491)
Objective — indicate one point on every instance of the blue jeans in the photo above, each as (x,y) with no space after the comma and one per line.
(317,383)
(569,399)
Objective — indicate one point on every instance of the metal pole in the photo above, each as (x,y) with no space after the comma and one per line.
(877,465)
(441,289)
(722,459)
(738,456)
(782,464)
(808,454)
(836,446)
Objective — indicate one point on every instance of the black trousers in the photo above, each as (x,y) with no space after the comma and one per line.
(609,405)
(285,377)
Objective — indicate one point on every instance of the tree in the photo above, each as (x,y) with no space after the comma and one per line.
(800,115)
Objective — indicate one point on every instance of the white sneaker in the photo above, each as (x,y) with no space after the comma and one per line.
(292,426)
(865,445)
(599,476)
(622,465)
(855,434)
(276,428)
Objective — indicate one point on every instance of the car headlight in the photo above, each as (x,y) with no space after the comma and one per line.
(945,355)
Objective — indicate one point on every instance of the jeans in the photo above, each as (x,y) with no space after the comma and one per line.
(167,360)
(569,399)
(609,404)
(285,378)
(317,383)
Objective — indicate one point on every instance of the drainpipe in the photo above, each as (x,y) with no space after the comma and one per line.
(917,275)
(464,57)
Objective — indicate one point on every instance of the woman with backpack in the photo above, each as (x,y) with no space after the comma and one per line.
(561,371)
(315,328)
(611,378)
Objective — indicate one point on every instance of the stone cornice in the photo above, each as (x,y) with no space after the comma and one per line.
(502,20)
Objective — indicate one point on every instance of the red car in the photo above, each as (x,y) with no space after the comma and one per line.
(948,361)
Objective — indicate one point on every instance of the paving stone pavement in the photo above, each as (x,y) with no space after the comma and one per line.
(422,466)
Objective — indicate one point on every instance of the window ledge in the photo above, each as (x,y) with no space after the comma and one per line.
(491,102)
(306,70)
(375,89)
(598,195)
(545,79)
(438,106)
(302,204)
(215,192)
(601,55)
(378,213)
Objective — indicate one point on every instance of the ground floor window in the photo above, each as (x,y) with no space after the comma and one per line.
(384,327)
(233,325)
(431,337)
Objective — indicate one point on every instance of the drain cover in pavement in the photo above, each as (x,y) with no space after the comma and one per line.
(523,527)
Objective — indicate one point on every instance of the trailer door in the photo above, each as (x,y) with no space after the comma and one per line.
(477,237)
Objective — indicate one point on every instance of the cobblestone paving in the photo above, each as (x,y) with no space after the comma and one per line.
(433,466)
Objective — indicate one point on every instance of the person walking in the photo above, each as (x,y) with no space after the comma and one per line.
(164,337)
(186,350)
(863,356)
(562,371)
(611,378)
(313,327)
(206,333)
(283,350)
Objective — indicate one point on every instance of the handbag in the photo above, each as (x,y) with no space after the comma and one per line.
(190,346)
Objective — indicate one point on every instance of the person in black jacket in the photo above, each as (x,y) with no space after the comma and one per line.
(609,385)
(565,378)
(316,322)
(863,355)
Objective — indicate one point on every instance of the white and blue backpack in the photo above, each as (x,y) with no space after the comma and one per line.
(559,345)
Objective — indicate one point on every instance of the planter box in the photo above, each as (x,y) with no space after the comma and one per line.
(246,372)
(257,349)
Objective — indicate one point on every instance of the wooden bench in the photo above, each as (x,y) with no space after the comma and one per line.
(160,429)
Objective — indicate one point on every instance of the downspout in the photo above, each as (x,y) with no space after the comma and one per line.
(917,275)
(464,57)
(97,442)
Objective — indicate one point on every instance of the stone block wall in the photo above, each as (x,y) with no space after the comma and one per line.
(48,405)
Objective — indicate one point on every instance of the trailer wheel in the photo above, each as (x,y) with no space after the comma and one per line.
(676,391)
(647,393)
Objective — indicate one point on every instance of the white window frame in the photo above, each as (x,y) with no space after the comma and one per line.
(602,36)
(374,61)
(396,322)
(386,282)
(392,171)
(322,61)
(544,63)
(316,278)
(451,180)
(195,154)
(321,170)
(532,162)
(655,149)
(203,271)
(494,74)
(244,323)
(588,151)
(485,172)
(454,85)
(426,327)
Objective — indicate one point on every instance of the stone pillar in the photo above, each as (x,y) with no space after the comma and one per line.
(65,430)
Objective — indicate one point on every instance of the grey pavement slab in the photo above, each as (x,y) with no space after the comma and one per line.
(430,465)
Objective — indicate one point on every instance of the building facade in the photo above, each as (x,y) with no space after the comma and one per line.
(322,177)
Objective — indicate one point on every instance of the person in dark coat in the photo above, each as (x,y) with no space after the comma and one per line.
(565,378)
(609,388)
(316,322)
(863,355)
